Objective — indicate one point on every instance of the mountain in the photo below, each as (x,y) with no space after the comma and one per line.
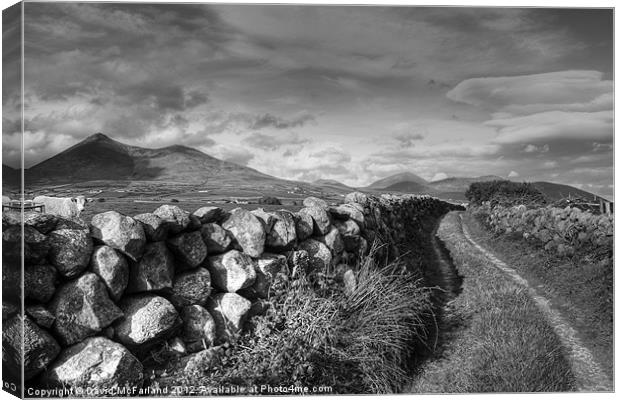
(408,187)
(100,158)
(10,177)
(331,182)
(397,179)
(459,184)
(557,191)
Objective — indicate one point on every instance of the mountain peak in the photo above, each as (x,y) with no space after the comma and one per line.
(97,137)
(397,178)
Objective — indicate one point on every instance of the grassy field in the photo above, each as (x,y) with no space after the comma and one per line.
(500,342)
(582,290)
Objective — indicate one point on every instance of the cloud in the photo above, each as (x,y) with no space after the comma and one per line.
(272,121)
(553,89)
(530,148)
(236,155)
(513,174)
(554,125)
(407,139)
(274,142)
(439,176)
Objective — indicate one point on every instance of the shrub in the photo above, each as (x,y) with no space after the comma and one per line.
(505,193)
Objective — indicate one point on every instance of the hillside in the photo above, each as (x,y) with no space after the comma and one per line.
(100,158)
(397,179)
(459,184)
(10,177)
(409,187)
(557,191)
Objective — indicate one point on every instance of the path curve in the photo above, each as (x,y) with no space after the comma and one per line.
(589,376)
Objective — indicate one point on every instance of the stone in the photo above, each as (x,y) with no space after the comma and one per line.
(266,218)
(232,271)
(39,347)
(357,197)
(267,267)
(247,230)
(333,240)
(352,211)
(177,219)
(147,320)
(41,316)
(113,269)
(319,254)
(349,281)
(304,225)
(39,282)
(282,235)
(176,346)
(94,365)
(348,227)
(229,310)
(216,238)
(71,223)
(350,232)
(315,202)
(154,271)
(36,245)
(191,287)
(44,223)
(208,215)
(82,308)
(120,232)
(320,217)
(195,365)
(198,328)
(155,228)
(189,248)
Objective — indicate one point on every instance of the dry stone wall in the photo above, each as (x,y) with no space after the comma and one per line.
(100,296)
(560,230)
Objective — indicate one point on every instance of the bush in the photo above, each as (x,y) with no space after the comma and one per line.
(505,193)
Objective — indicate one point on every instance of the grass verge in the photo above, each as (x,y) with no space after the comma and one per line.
(580,287)
(503,343)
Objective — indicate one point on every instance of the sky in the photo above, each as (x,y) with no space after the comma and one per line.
(348,93)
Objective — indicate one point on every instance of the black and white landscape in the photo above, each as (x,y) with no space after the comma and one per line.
(347,199)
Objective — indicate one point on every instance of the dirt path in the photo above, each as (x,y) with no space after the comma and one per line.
(588,374)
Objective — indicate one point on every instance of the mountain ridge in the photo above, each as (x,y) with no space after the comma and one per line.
(98,157)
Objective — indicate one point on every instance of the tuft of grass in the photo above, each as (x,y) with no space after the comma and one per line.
(502,343)
(381,320)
